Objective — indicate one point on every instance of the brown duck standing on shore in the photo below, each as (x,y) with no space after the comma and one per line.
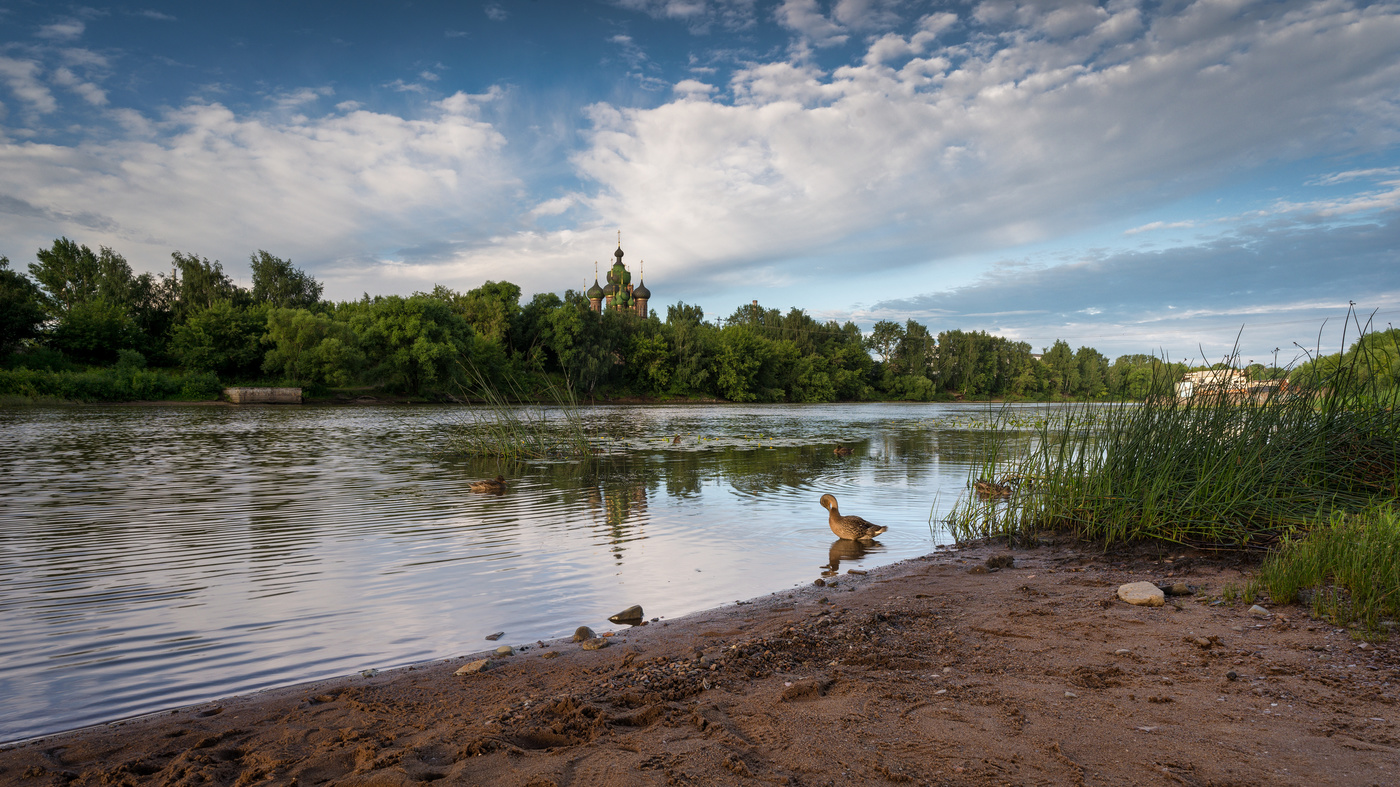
(493,487)
(842,450)
(852,528)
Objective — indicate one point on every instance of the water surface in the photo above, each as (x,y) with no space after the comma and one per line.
(152,557)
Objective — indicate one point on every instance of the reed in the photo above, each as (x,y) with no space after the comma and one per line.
(511,426)
(1208,470)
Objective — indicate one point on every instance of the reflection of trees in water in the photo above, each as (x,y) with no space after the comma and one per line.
(850,551)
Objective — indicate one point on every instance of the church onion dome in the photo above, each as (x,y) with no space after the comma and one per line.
(641,291)
(618,255)
(595,292)
(611,289)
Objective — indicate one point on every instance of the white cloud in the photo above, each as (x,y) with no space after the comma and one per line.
(157,15)
(805,18)
(341,190)
(699,15)
(1160,225)
(62,31)
(693,88)
(22,77)
(970,148)
(89,92)
(301,96)
(867,14)
(495,12)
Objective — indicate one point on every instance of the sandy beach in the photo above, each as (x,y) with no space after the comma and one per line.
(938,670)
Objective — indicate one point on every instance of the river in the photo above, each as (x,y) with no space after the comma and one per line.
(154,557)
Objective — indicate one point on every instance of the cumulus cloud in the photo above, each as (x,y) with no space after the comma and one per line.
(495,12)
(1072,117)
(62,31)
(805,18)
(346,188)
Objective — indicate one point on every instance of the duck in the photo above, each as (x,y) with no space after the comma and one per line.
(842,450)
(496,486)
(676,441)
(987,488)
(852,528)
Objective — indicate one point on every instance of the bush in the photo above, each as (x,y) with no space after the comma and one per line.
(123,383)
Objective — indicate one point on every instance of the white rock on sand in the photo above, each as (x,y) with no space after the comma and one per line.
(1142,594)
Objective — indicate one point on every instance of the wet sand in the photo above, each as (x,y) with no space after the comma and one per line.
(933,671)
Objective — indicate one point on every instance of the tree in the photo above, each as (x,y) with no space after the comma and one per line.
(741,356)
(21,308)
(95,332)
(223,338)
(884,339)
(71,274)
(276,282)
(412,344)
(1064,368)
(198,284)
(311,349)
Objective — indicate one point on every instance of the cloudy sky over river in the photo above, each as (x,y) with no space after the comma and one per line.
(1131,176)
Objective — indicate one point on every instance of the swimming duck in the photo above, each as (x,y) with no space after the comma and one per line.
(986,488)
(849,527)
(842,450)
(676,441)
(496,487)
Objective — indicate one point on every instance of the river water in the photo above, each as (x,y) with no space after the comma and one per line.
(153,557)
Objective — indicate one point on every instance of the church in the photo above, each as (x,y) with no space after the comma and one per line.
(619,295)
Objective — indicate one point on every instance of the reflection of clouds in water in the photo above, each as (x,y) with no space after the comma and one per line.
(850,551)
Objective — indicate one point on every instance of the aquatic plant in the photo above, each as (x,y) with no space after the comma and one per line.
(510,426)
(1206,470)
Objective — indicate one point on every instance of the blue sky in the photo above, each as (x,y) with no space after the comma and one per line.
(1137,177)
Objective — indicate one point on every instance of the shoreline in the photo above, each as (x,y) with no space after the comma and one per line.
(935,669)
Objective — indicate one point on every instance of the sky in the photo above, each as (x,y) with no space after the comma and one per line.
(1132,176)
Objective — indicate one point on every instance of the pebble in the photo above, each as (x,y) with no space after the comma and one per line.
(594,644)
(583,633)
(505,650)
(819,582)
(1071,694)
(1232,675)
(473,667)
(1258,611)
(1142,594)
(496,636)
(369,673)
(632,615)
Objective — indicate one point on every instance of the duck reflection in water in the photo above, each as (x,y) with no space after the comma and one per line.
(850,551)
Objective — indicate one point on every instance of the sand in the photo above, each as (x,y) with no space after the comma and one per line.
(933,671)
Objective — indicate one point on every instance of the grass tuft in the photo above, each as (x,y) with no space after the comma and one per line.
(514,427)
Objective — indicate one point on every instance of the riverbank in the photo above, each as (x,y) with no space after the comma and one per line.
(933,670)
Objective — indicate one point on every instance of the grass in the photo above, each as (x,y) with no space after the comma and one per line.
(514,427)
(1311,476)
(1346,569)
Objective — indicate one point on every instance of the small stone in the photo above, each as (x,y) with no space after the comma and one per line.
(1001,561)
(471,668)
(631,616)
(819,582)
(496,636)
(583,633)
(1071,694)
(1232,675)
(369,673)
(594,644)
(856,571)
(553,654)
(1258,611)
(1142,594)
(505,650)
(1176,589)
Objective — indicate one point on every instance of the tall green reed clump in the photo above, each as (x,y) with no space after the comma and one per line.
(1346,568)
(1211,469)
(510,425)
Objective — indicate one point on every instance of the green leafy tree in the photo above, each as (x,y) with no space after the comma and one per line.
(412,344)
(95,332)
(278,283)
(1093,373)
(222,338)
(884,339)
(21,308)
(311,349)
(741,356)
(1064,368)
(198,284)
(71,274)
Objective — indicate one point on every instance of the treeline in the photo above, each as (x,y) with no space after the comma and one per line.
(82,320)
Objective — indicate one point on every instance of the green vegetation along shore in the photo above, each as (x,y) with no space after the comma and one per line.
(82,326)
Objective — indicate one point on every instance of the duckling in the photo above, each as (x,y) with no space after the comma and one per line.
(986,488)
(849,527)
(842,450)
(494,487)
